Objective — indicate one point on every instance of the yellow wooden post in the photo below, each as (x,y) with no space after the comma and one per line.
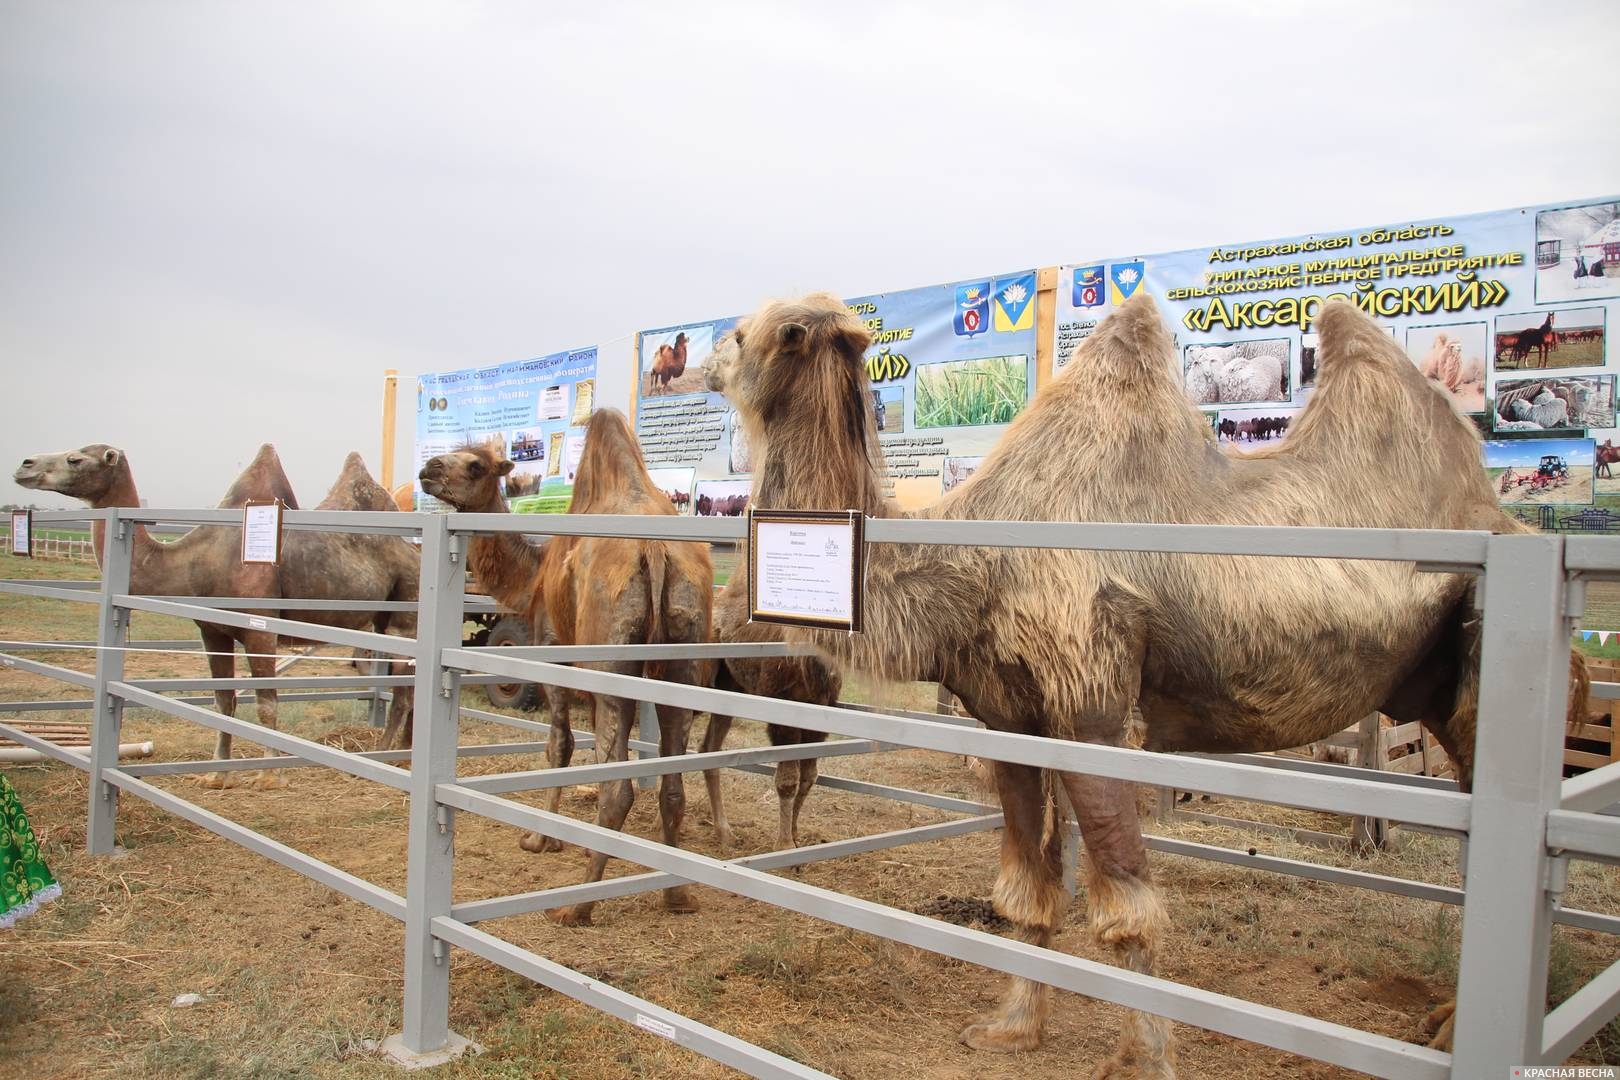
(1046,280)
(390,394)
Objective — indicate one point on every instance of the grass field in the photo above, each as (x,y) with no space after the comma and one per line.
(965,393)
(298,982)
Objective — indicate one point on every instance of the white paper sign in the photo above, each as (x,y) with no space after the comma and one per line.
(261,532)
(574,450)
(22,532)
(805,568)
(554,403)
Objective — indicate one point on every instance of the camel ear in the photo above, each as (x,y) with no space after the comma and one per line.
(791,335)
(111,457)
(503,468)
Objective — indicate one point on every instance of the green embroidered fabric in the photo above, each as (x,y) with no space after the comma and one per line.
(25,881)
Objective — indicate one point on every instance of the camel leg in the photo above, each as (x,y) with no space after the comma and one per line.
(807,780)
(261,649)
(1029,892)
(714,739)
(674,726)
(221,649)
(559,753)
(1126,913)
(614,717)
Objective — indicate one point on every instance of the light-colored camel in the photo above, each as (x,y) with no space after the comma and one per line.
(207,562)
(595,591)
(1219,653)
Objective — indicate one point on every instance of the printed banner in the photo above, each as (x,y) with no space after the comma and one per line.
(951,365)
(1505,312)
(535,411)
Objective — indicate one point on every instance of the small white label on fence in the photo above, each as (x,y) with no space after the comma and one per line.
(657,1027)
(258,624)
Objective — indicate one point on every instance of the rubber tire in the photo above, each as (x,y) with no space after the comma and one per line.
(525,697)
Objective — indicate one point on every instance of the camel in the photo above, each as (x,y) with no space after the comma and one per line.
(669,363)
(207,562)
(596,591)
(1066,644)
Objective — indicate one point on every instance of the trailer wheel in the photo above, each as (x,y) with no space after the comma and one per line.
(524,696)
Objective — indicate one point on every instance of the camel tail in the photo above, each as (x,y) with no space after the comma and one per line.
(1580,688)
(656,557)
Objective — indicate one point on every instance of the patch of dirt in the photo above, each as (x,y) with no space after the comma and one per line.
(964,911)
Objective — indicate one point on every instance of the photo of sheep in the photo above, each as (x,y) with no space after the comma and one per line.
(672,360)
(1563,338)
(1556,471)
(1237,373)
(1253,427)
(738,459)
(721,498)
(1578,253)
(1572,403)
(889,408)
(956,471)
(1452,357)
(676,484)
(971,393)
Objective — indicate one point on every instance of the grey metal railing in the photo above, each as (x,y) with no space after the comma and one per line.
(1522,822)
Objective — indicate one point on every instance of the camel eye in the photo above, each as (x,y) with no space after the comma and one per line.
(75,461)
(476,468)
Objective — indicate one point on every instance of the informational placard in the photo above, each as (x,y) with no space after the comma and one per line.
(1506,313)
(950,367)
(806,567)
(261,532)
(22,533)
(523,410)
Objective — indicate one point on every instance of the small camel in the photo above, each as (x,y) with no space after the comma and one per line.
(207,562)
(596,591)
(1065,644)
(669,363)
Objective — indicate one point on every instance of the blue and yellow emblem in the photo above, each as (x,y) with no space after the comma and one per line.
(1124,279)
(972,309)
(1015,303)
(1088,286)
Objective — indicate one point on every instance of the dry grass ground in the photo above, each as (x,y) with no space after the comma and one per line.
(296,981)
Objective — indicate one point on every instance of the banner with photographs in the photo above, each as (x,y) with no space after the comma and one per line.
(534,411)
(951,365)
(1505,312)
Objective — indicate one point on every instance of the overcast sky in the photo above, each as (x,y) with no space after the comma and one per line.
(220,222)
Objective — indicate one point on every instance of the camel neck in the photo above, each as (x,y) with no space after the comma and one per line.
(121,493)
(505,564)
(819,477)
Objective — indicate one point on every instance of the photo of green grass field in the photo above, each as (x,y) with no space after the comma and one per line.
(971,393)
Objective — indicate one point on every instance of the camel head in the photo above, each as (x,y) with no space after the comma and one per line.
(791,351)
(87,473)
(468,479)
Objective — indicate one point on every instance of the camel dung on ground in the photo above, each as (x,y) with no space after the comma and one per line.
(1219,652)
(589,590)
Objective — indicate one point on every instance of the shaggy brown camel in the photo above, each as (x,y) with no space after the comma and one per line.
(207,562)
(669,364)
(595,591)
(1064,643)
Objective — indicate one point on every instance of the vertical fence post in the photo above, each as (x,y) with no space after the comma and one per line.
(106,713)
(1518,751)
(430,846)
(377,704)
(647,730)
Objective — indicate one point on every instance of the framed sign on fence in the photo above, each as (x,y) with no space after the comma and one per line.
(806,568)
(22,533)
(261,531)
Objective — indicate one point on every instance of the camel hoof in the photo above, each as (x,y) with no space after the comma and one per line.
(217,781)
(274,781)
(1120,1067)
(1440,1023)
(570,916)
(997,1036)
(535,843)
(724,836)
(679,902)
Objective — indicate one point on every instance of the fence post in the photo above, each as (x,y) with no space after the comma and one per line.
(430,846)
(1518,753)
(377,703)
(647,731)
(106,713)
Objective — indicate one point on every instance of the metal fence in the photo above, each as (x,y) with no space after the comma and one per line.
(1521,824)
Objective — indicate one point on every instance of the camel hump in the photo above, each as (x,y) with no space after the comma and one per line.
(1349,336)
(356,489)
(263,479)
(1131,339)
